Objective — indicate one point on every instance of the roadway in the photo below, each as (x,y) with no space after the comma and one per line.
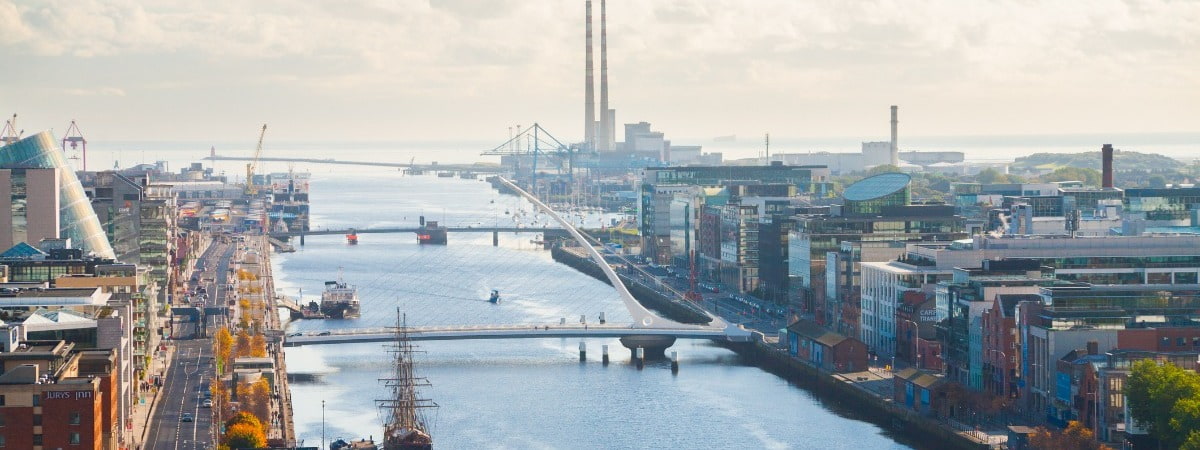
(191,368)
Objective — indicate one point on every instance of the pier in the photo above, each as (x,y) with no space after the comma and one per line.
(475,168)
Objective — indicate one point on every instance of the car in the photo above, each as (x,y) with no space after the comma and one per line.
(207,403)
(323,333)
(187,417)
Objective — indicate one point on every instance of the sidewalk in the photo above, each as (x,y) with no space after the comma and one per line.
(146,402)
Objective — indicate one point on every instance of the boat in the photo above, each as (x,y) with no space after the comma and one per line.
(352,237)
(405,426)
(339,301)
(361,444)
(495,298)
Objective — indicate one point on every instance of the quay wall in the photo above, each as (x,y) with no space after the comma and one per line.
(826,386)
(647,297)
(841,393)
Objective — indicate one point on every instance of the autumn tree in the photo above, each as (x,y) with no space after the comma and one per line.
(244,435)
(260,400)
(223,343)
(243,343)
(1074,437)
(258,346)
(1165,399)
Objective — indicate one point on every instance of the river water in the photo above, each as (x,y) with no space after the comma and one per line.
(515,393)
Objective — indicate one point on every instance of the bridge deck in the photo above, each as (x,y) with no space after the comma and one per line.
(415,230)
(500,332)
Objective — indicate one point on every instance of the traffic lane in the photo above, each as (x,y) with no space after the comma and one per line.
(165,424)
(196,433)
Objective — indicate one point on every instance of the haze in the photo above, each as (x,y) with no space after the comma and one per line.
(453,70)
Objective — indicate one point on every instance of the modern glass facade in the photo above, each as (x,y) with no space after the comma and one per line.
(871,195)
(1162,204)
(77,218)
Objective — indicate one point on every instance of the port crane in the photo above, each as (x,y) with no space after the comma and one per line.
(10,134)
(251,188)
(74,138)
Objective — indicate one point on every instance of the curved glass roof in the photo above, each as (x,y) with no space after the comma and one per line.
(877,186)
(77,219)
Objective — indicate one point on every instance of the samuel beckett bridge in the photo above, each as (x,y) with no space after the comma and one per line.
(647,330)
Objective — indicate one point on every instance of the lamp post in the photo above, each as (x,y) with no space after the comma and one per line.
(322,423)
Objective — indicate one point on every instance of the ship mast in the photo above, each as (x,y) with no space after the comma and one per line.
(404,417)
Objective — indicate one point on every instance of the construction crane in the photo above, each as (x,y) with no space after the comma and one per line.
(9,134)
(251,188)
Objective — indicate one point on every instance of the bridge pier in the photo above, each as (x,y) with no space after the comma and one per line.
(301,239)
(604,352)
(495,239)
(582,351)
(655,346)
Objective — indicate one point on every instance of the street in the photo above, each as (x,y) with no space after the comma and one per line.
(186,384)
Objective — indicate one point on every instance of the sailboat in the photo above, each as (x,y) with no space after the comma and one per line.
(405,426)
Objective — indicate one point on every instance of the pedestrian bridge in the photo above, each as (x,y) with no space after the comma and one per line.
(511,332)
(648,331)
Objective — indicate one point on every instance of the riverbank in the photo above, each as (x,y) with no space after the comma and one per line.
(868,396)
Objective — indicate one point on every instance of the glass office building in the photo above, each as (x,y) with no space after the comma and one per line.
(870,195)
(77,219)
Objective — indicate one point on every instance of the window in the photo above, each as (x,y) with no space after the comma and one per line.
(37,400)
(37,420)
(74,418)
(74,438)
(1,400)
(2,440)
(37,439)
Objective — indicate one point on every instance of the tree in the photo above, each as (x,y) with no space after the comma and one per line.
(224,345)
(1089,177)
(243,343)
(1075,436)
(258,346)
(882,168)
(244,435)
(1155,392)
(990,176)
(1157,181)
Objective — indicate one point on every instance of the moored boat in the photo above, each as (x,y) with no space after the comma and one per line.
(340,300)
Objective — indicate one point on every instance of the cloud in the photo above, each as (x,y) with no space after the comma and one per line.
(103,91)
(782,61)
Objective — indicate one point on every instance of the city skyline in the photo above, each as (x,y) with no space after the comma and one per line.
(455,70)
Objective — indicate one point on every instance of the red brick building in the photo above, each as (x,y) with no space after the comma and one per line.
(915,319)
(1001,354)
(52,397)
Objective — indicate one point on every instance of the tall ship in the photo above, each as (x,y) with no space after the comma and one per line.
(339,301)
(405,426)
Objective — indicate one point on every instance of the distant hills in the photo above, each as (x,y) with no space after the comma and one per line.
(1122,160)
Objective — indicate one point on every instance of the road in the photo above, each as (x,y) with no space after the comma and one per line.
(192,367)
(183,394)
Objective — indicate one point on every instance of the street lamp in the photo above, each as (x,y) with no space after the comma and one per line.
(322,423)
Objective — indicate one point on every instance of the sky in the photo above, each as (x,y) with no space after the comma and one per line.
(413,70)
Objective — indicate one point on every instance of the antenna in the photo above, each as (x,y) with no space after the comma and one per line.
(767,147)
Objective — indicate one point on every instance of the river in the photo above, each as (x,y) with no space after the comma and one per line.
(515,393)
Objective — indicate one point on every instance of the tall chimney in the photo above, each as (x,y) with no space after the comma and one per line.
(589,91)
(606,127)
(895,145)
(1106,155)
